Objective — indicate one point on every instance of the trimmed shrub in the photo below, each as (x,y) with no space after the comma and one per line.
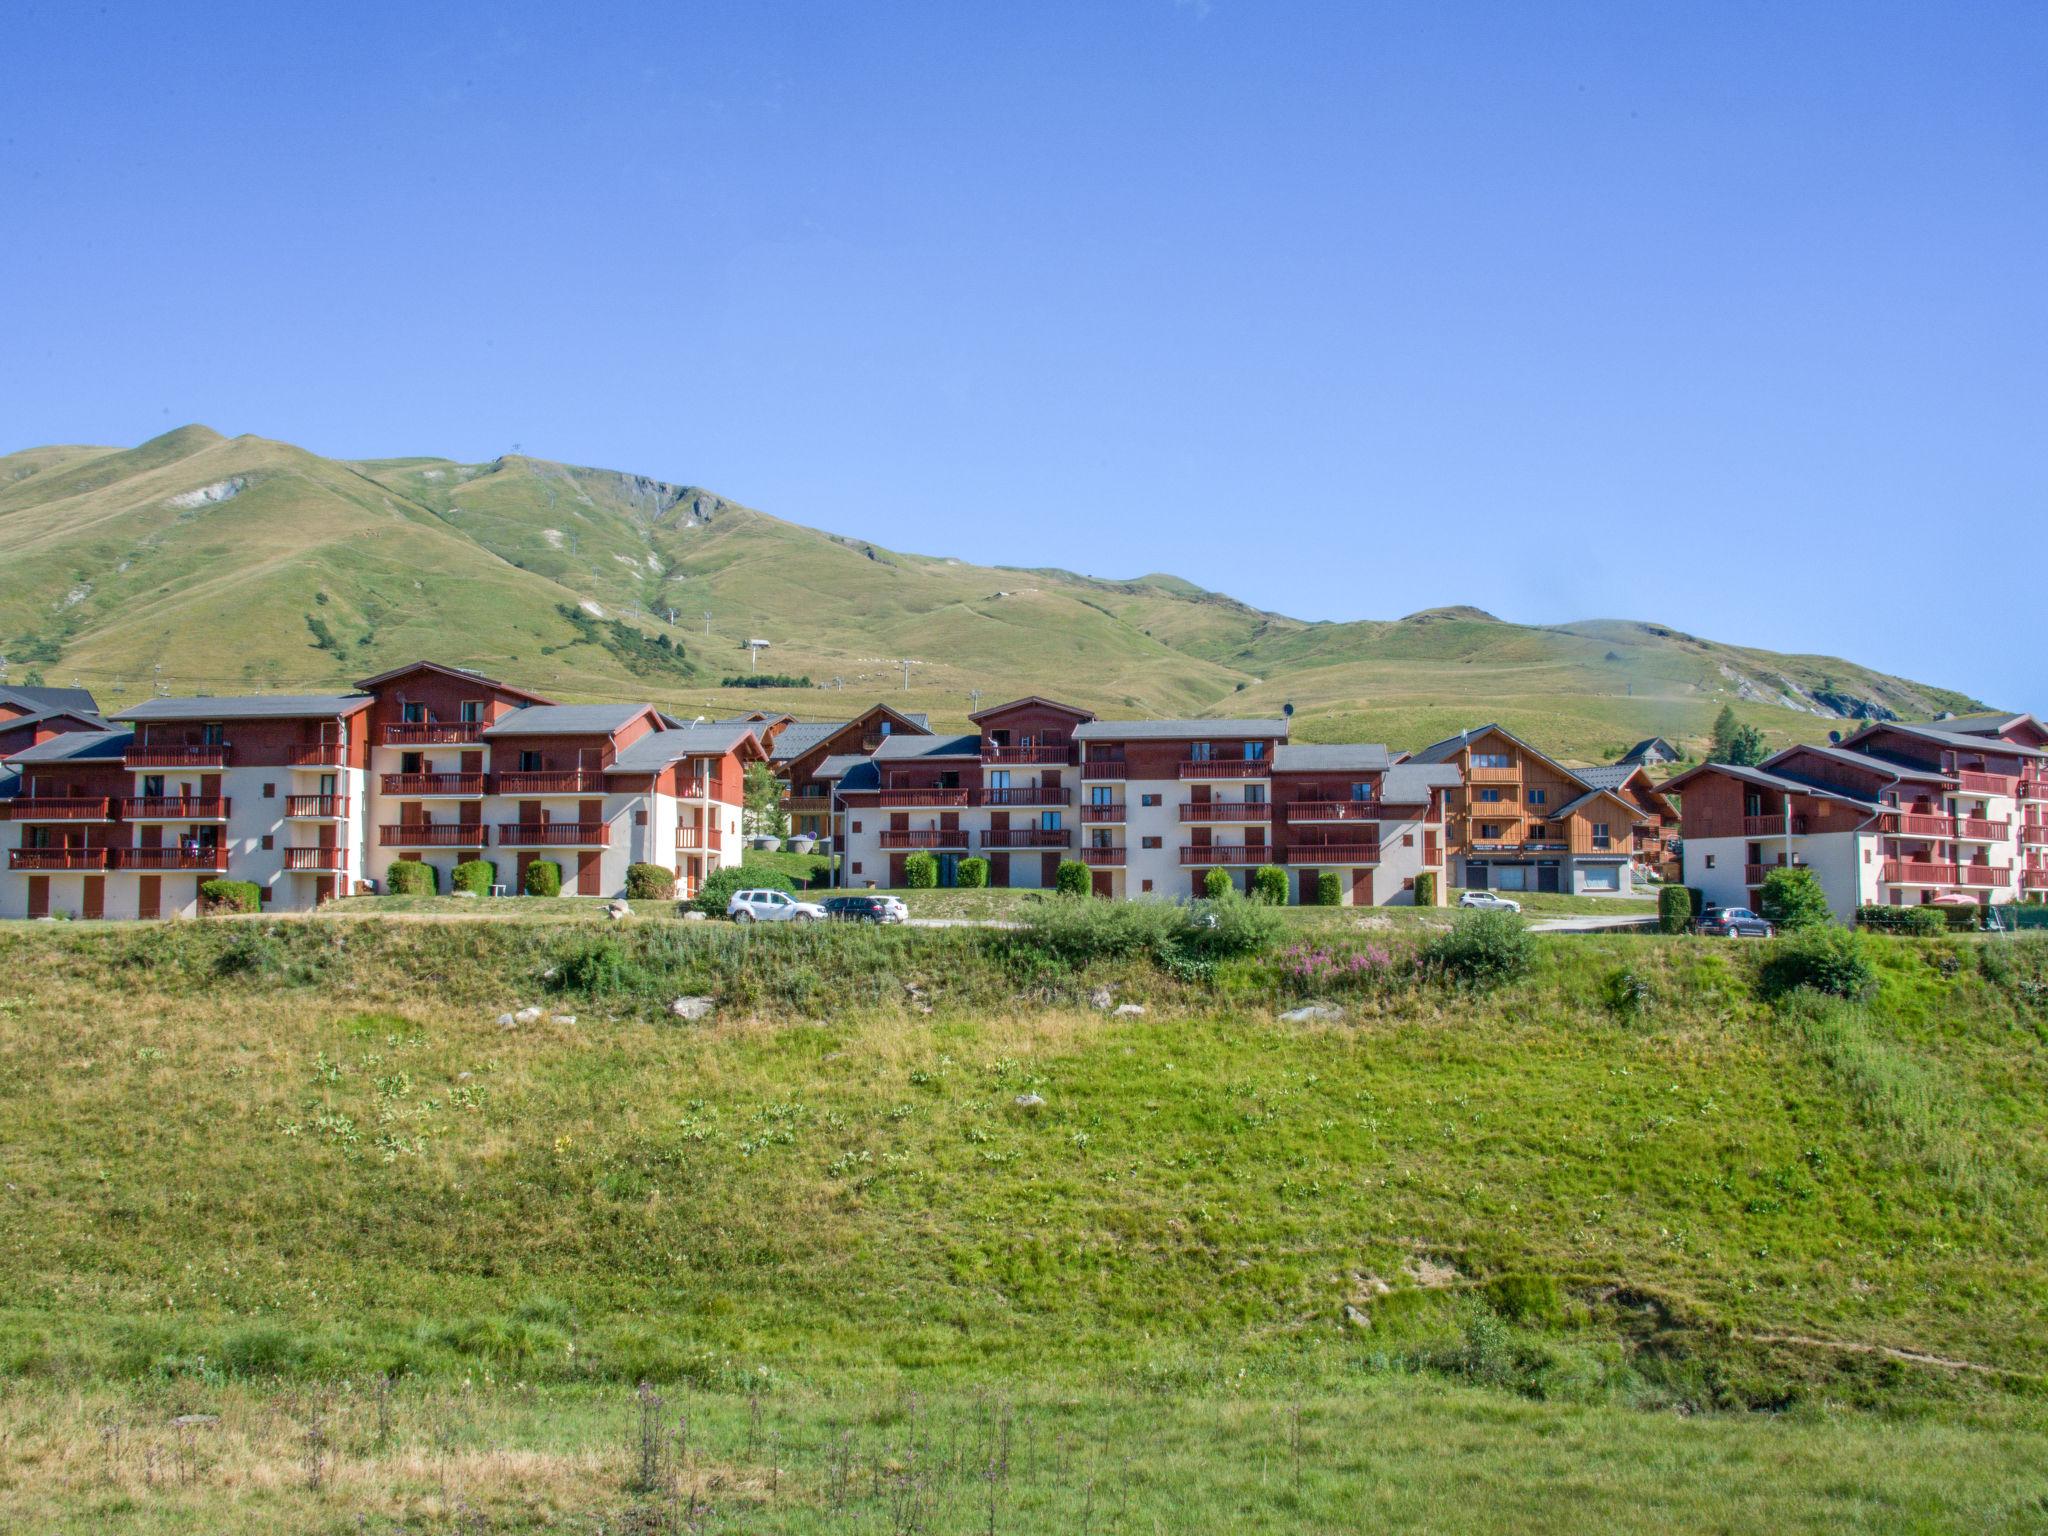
(1329,889)
(1674,909)
(410,877)
(719,885)
(1792,899)
(971,874)
(229,896)
(475,876)
(1482,949)
(650,882)
(1923,922)
(1217,884)
(1269,884)
(1073,878)
(1830,960)
(543,878)
(921,871)
(1962,919)
(1425,889)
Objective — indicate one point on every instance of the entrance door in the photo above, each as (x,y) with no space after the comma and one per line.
(38,895)
(94,903)
(1361,887)
(949,869)
(1546,877)
(1306,893)
(589,872)
(1099,882)
(149,898)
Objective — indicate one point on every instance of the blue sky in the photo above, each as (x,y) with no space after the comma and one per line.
(1731,316)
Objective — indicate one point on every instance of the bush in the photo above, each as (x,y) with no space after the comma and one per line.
(1830,960)
(1077,932)
(971,874)
(1425,889)
(229,896)
(920,871)
(1269,884)
(650,882)
(1073,878)
(543,878)
(1483,949)
(1792,899)
(475,876)
(410,877)
(601,968)
(1217,884)
(1675,909)
(1923,922)
(1329,889)
(1227,926)
(719,885)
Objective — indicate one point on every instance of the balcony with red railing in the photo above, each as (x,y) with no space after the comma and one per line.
(1105,768)
(1102,856)
(1772,826)
(315,807)
(2034,831)
(1023,794)
(2034,786)
(1337,849)
(1225,810)
(317,754)
(899,838)
(1916,872)
(2035,879)
(1111,812)
(921,797)
(315,861)
(151,860)
(1984,875)
(1333,810)
(174,808)
(1753,874)
(434,834)
(1054,753)
(1980,829)
(1914,824)
(57,808)
(1972,781)
(554,834)
(151,754)
(433,733)
(44,860)
(1230,853)
(1026,837)
(1226,768)
(553,781)
(428,785)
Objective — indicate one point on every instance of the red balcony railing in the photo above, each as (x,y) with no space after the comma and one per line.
(1975,782)
(554,834)
(2034,832)
(1912,825)
(1114,811)
(1101,856)
(1226,768)
(953,837)
(320,807)
(42,859)
(151,755)
(1044,752)
(1230,853)
(2035,879)
(1353,850)
(564,781)
(56,808)
(1333,810)
(1980,829)
(315,860)
(174,808)
(434,834)
(1772,826)
(2034,786)
(921,797)
(1024,794)
(214,859)
(1026,837)
(1225,810)
(432,733)
(433,784)
(1916,872)
(1983,874)
(1105,768)
(317,754)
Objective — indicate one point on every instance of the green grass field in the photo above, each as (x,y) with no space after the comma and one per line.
(1566,1255)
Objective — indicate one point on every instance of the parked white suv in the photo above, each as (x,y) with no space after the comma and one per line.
(771,907)
(1489,902)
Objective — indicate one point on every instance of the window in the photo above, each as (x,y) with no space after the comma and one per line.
(1492,760)
(639,818)
(532,762)
(473,711)
(1407,839)
(1710,861)
(413,714)
(1101,794)
(856,828)
(263,893)
(1601,839)
(1201,751)
(270,791)
(1048,821)
(268,842)
(1254,751)
(1361,792)
(1148,799)
(1408,883)
(887,725)
(1144,885)
(1537,796)
(1489,830)
(1148,842)
(856,866)
(152,786)
(999,778)
(1489,797)
(1255,794)
(212,734)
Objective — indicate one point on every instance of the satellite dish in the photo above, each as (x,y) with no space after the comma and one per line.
(1287,709)
(1834,738)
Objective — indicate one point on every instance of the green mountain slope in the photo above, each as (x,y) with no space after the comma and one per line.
(198,562)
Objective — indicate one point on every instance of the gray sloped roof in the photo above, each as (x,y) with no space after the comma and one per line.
(862,775)
(1443,751)
(1607,791)
(895,749)
(16,722)
(34,697)
(799,738)
(565,720)
(1611,777)
(1766,778)
(1944,736)
(77,746)
(657,749)
(1410,783)
(255,706)
(1180,730)
(1867,760)
(1330,757)
(838,765)
(1642,749)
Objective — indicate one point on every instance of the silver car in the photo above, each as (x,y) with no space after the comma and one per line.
(771,907)
(1486,901)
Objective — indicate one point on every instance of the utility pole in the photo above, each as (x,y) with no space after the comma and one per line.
(906,666)
(973,699)
(707,621)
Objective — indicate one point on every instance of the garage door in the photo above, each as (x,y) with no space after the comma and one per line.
(1601,877)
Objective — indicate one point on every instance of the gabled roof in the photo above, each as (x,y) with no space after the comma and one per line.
(1034,698)
(1443,751)
(839,765)
(799,738)
(464,673)
(1612,776)
(254,706)
(1791,783)
(862,775)
(77,746)
(35,697)
(896,749)
(1987,724)
(1181,730)
(1330,757)
(1643,748)
(1410,783)
(1596,794)
(1942,736)
(567,720)
(84,716)
(1871,761)
(657,749)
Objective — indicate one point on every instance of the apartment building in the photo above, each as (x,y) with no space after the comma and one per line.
(802,748)
(312,796)
(1150,806)
(1522,821)
(1896,815)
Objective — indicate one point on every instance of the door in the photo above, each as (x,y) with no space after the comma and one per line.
(1099,882)
(94,903)
(1305,893)
(38,895)
(1546,877)
(589,870)
(949,869)
(1361,888)
(149,898)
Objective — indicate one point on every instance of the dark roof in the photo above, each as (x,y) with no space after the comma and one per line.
(838,765)
(799,738)
(1643,748)
(1610,777)
(1873,761)
(657,749)
(566,720)
(1943,736)
(1410,783)
(37,697)
(1984,725)
(1443,751)
(76,746)
(37,717)
(1033,698)
(1792,783)
(1180,730)
(895,749)
(1594,794)
(443,667)
(254,706)
(862,775)
(1330,757)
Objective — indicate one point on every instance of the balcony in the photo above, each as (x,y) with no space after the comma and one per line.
(1984,876)
(1102,855)
(212,860)
(694,840)
(1052,753)
(153,755)
(1772,826)
(174,808)
(2034,832)
(1478,775)
(899,839)
(800,805)
(433,733)
(66,808)
(921,797)
(1225,810)
(1978,829)
(315,807)
(2034,786)
(1336,850)
(1114,811)
(1231,853)
(434,834)
(2035,879)
(1753,874)
(317,754)
(1916,872)
(315,861)
(554,834)
(1912,825)
(37,860)
(1026,837)
(554,781)
(1333,810)
(428,785)
(1226,768)
(1972,781)
(1105,768)
(1024,794)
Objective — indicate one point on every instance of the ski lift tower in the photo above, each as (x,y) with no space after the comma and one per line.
(754,650)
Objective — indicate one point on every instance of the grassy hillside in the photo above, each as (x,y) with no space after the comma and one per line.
(1450,1260)
(208,563)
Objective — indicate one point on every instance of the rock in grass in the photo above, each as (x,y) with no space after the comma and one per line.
(1356,1317)
(1128,1010)
(1030,1101)
(691,1009)
(506,1021)
(1311,1013)
(527,1016)
(692,915)
(565,1018)
(1102,998)
(618,911)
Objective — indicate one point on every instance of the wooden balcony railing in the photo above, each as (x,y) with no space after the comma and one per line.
(2034,832)
(1226,810)
(1975,782)
(1026,837)
(317,754)
(1024,794)
(44,859)
(2035,879)
(1772,826)
(151,755)
(1480,775)
(1333,810)
(1984,874)
(1102,856)
(214,859)
(434,834)
(564,781)
(1105,768)
(1335,850)
(1055,752)
(951,837)
(57,808)
(1983,829)
(174,808)
(554,834)
(433,733)
(921,797)
(1226,768)
(1912,824)
(2034,786)
(1231,853)
(1115,811)
(428,784)
(319,807)
(1915,872)
(315,860)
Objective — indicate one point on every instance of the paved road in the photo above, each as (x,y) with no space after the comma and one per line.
(1589,924)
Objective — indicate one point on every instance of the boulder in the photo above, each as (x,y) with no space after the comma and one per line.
(1102,997)
(565,1018)
(506,1021)
(1128,1010)
(1030,1101)
(618,911)
(528,1016)
(1356,1317)
(691,1009)
(695,915)
(1311,1013)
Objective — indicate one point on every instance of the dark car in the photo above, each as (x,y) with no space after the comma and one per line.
(1734,923)
(857,909)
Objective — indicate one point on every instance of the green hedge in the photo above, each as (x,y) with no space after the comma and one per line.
(1217,884)
(410,877)
(1920,921)
(971,874)
(1269,884)
(543,878)
(650,882)
(1329,889)
(1674,909)
(1425,889)
(1072,878)
(230,896)
(920,871)
(475,876)
(719,885)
